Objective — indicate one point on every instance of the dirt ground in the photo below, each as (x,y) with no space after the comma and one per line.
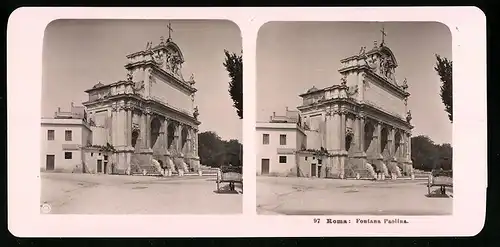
(113,194)
(305,196)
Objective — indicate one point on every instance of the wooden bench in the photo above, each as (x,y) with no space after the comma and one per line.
(440,179)
(231,175)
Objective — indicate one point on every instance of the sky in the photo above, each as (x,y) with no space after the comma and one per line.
(77,54)
(294,56)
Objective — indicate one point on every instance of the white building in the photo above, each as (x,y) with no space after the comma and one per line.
(279,140)
(62,141)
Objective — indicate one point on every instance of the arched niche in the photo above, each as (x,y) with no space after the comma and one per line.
(384,136)
(369,130)
(135,136)
(170,134)
(348,141)
(155,130)
(397,142)
(184,136)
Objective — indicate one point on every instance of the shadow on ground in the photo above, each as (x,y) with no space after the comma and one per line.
(225,190)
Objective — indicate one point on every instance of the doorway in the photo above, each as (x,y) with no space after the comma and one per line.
(313,170)
(319,171)
(105,167)
(99,166)
(50,162)
(265,166)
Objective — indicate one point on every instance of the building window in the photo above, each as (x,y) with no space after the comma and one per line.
(105,157)
(265,139)
(68,155)
(320,162)
(282,159)
(91,154)
(68,135)
(306,157)
(282,139)
(50,135)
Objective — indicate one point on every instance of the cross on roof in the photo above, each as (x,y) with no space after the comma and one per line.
(169,26)
(383,34)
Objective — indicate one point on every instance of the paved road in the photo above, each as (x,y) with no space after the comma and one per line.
(303,196)
(112,194)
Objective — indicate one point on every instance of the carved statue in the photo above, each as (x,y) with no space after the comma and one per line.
(375,44)
(196,113)
(162,40)
(408,116)
(362,51)
(372,63)
(159,58)
(405,85)
(149,45)
(343,80)
(129,75)
(352,91)
(138,86)
(135,127)
(175,64)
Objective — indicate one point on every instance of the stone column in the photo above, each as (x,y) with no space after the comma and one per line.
(408,152)
(329,131)
(164,139)
(179,142)
(355,129)
(391,142)
(123,126)
(148,129)
(342,146)
(362,133)
(195,145)
(378,142)
(129,126)
(342,130)
(114,127)
(109,126)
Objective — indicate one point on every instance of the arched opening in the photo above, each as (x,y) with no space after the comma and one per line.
(135,136)
(155,131)
(397,140)
(161,164)
(348,141)
(368,135)
(170,134)
(184,136)
(383,139)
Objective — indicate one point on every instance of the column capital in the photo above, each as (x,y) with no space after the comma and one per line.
(114,107)
(147,111)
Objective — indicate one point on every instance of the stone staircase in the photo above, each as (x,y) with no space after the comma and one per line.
(359,168)
(142,162)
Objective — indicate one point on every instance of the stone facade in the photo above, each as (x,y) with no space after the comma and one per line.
(150,118)
(363,121)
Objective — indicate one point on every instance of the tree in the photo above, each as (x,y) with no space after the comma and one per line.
(214,151)
(423,153)
(210,149)
(428,156)
(234,66)
(233,152)
(444,69)
(445,152)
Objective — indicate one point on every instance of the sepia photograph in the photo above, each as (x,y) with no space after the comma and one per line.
(358,122)
(354,118)
(141,117)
